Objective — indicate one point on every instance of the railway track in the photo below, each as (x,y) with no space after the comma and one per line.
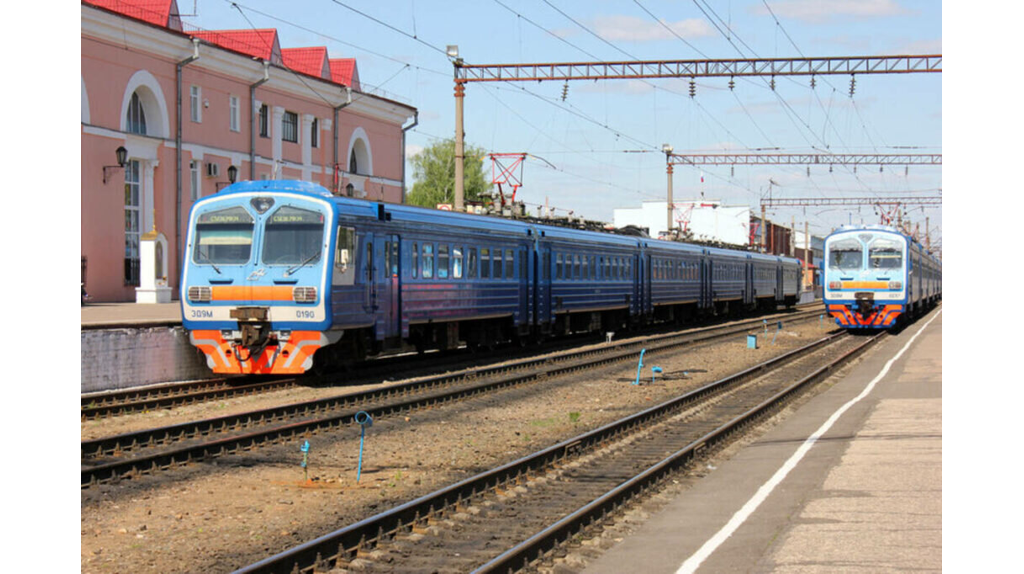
(138,400)
(520,515)
(118,403)
(147,452)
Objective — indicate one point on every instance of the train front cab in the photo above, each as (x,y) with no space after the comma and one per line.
(252,293)
(866,278)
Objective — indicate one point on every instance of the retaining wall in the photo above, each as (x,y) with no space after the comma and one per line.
(118,358)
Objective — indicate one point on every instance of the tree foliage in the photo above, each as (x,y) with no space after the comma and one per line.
(434,174)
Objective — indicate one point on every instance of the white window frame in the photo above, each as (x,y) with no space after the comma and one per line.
(297,129)
(196,101)
(234,123)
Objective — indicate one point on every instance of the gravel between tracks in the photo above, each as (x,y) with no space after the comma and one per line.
(235,510)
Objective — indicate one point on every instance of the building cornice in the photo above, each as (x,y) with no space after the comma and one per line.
(174,46)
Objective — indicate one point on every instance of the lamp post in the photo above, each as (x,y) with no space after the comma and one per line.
(122,158)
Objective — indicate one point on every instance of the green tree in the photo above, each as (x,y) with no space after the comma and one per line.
(434,175)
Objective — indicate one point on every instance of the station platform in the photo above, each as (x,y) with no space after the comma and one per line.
(851,482)
(108,315)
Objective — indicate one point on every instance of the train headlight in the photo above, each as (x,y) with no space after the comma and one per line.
(199,294)
(835,284)
(304,294)
(895,285)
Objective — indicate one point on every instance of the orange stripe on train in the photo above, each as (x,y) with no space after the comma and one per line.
(251,293)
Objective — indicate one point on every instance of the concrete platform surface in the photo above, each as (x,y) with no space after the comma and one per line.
(866,496)
(105,315)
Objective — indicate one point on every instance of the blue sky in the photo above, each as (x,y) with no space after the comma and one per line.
(604,139)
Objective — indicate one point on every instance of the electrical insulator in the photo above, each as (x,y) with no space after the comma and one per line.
(732,171)
(693,88)
(808,171)
(565,91)
(853,84)
(771,84)
(879,169)
(813,82)
(732,82)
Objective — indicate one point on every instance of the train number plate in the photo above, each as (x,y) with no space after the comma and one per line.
(249,313)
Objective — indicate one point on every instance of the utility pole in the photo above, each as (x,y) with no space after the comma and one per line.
(807,245)
(460,136)
(668,168)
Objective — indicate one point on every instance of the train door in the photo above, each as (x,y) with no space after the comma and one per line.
(367,275)
(706,282)
(642,279)
(749,290)
(542,287)
(526,274)
(387,260)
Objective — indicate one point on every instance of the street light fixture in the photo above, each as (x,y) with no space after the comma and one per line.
(122,158)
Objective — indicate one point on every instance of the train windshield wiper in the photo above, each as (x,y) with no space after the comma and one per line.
(312,257)
(215,268)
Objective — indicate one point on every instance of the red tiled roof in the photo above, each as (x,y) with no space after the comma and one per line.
(312,61)
(256,43)
(156,12)
(343,71)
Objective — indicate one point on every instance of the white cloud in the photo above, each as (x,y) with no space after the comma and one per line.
(411,150)
(821,11)
(634,29)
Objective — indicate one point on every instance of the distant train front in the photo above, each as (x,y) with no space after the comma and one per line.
(866,273)
(252,293)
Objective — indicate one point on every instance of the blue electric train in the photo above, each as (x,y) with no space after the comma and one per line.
(876,276)
(282,275)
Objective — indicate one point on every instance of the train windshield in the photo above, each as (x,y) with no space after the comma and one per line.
(293,236)
(845,254)
(223,237)
(885,253)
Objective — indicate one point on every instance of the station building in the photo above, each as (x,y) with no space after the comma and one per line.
(171,114)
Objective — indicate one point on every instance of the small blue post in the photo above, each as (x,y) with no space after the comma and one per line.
(305,459)
(654,373)
(639,366)
(363,419)
(776,332)
(751,341)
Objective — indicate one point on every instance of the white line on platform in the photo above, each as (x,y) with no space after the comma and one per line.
(693,562)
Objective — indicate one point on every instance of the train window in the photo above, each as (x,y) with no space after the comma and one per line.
(496,258)
(387,261)
(593,267)
(415,259)
(428,260)
(558,266)
(586,268)
(471,268)
(293,236)
(845,254)
(485,263)
(223,237)
(510,264)
(457,263)
(343,259)
(884,253)
(394,259)
(576,267)
(442,261)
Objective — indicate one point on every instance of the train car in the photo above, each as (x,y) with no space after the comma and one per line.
(790,277)
(592,281)
(876,276)
(673,280)
(727,281)
(281,277)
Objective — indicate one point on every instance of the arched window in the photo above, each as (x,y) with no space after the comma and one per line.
(353,166)
(136,116)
